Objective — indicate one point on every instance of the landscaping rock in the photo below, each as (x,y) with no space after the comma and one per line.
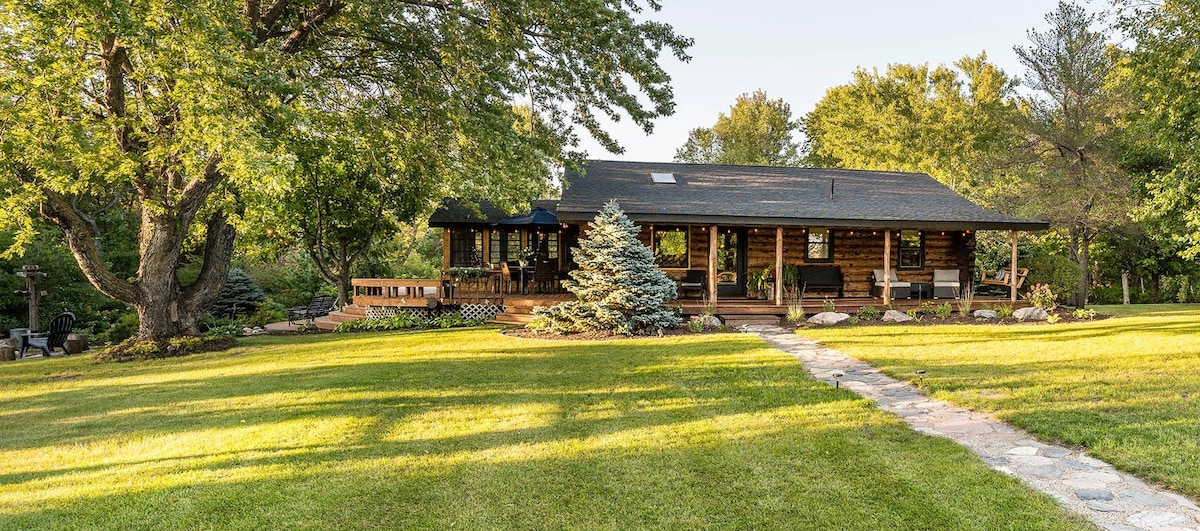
(829,318)
(985,314)
(709,321)
(1030,314)
(896,316)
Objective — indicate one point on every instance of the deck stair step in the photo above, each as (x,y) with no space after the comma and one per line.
(512,319)
(325,323)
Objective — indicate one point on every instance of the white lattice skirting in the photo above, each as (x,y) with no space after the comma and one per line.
(468,311)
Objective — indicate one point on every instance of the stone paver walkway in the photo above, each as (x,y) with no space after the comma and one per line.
(1112,499)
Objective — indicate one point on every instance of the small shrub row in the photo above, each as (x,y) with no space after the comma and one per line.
(406,320)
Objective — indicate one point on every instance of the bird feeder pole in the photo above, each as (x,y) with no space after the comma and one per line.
(31,273)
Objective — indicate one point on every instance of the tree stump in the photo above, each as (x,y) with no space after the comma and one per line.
(76,343)
(7,352)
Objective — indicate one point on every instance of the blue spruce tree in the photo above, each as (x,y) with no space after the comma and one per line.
(618,287)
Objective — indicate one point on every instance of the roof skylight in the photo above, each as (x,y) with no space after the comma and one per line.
(663,178)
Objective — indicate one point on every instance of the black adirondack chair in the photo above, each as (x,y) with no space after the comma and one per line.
(55,337)
(319,305)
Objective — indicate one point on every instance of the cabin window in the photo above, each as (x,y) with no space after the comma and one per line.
(670,246)
(495,248)
(820,246)
(551,245)
(912,250)
(512,247)
(466,248)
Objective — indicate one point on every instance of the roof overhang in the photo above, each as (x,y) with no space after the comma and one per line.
(751,221)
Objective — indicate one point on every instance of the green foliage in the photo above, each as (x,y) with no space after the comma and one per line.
(795,310)
(695,326)
(914,313)
(290,279)
(951,124)
(869,313)
(239,295)
(617,286)
(1058,272)
(1003,310)
(828,305)
(1161,72)
(943,310)
(1084,313)
(966,300)
(406,320)
(1053,318)
(124,327)
(757,131)
(1041,296)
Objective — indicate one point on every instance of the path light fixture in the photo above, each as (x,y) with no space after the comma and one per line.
(837,378)
(920,378)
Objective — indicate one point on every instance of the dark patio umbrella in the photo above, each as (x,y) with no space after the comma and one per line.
(537,216)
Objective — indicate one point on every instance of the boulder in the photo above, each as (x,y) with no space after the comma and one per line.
(710,321)
(1030,314)
(829,318)
(895,316)
(985,314)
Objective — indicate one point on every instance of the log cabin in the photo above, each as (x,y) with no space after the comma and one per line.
(727,232)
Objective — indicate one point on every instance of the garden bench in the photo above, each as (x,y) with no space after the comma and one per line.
(320,305)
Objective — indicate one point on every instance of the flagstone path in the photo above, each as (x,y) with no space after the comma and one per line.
(1112,499)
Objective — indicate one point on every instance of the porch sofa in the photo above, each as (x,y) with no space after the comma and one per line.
(822,278)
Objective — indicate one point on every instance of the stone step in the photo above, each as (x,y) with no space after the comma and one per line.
(351,309)
(742,320)
(325,323)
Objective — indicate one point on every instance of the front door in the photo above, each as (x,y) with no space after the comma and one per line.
(731,262)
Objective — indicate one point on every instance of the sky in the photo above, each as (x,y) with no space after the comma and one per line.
(796,50)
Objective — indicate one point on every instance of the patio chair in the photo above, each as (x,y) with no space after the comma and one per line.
(545,276)
(54,337)
(946,284)
(900,289)
(320,305)
(695,280)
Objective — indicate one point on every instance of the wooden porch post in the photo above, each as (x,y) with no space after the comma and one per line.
(712,265)
(887,267)
(446,249)
(1013,273)
(779,266)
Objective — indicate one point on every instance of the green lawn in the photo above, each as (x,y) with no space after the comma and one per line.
(473,430)
(1127,389)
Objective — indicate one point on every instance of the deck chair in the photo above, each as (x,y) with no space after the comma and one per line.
(55,337)
(320,305)
(900,289)
(694,280)
(946,284)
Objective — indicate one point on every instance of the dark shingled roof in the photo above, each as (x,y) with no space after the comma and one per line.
(455,212)
(765,195)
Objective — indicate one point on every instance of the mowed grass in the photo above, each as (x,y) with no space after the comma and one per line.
(474,430)
(1127,389)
